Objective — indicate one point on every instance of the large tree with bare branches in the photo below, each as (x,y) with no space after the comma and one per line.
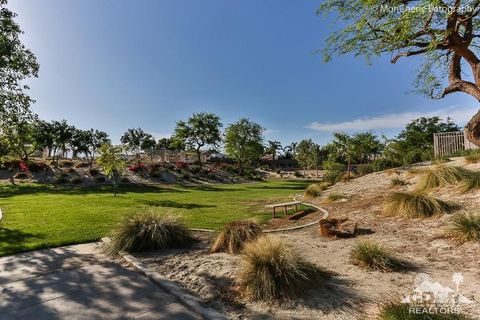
(445,32)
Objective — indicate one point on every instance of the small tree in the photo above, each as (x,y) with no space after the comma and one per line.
(243,141)
(148,145)
(307,154)
(200,130)
(112,164)
(133,139)
(88,142)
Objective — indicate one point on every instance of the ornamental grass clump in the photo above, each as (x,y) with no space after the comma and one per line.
(315,189)
(415,205)
(373,256)
(149,230)
(442,176)
(397,182)
(271,270)
(473,157)
(466,226)
(235,235)
(470,183)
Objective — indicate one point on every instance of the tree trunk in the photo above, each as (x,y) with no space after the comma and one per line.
(199,155)
(473,129)
(348,170)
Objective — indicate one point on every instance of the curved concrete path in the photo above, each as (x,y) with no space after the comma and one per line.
(77,282)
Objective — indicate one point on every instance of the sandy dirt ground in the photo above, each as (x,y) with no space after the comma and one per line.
(351,292)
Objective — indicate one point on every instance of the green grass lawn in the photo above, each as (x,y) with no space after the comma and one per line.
(38,216)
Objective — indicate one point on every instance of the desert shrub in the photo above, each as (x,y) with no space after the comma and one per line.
(38,166)
(82,165)
(93,172)
(100,179)
(373,256)
(186,176)
(21,176)
(441,160)
(335,196)
(363,169)
(155,174)
(271,269)
(66,163)
(333,171)
(470,183)
(195,169)
(397,182)
(401,311)
(235,235)
(473,157)
(415,205)
(139,167)
(466,226)
(297,174)
(124,180)
(149,230)
(181,165)
(441,176)
(76,180)
(315,189)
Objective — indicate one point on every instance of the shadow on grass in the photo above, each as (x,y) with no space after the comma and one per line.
(13,241)
(11,190)
(175,204)
(290,185)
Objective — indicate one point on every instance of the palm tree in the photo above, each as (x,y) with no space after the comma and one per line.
(273,147)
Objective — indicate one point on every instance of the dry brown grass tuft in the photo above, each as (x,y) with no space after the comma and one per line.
(149,230)
(272,270)
(415,205)
(442,176)
(473,158)
(315,189)
(373,256)
(465,227)
(470,183)
(235,235)
(335,196)
(397,182)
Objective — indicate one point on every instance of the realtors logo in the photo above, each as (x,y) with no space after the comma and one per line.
(430,297)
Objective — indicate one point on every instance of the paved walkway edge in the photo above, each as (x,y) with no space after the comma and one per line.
(189,301)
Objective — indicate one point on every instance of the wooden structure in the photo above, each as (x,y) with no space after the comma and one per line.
(447,143)
(285,206)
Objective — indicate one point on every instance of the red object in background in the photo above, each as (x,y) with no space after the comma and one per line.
(181,165)
(23,166)
(137,167)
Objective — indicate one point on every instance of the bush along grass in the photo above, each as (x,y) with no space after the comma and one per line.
(235,235)
(397,182)
(315,189)
(401,311)
(473,158)
(373,256)
(470,183)
(415,205)
(442,176)
(271,270)
(149,230)
(335,197)
(466,227)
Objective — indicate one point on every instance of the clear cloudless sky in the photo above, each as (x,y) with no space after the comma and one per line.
(118,64)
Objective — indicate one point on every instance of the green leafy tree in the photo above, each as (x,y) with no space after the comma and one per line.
(446,37)
(199,131)
(44,135)
(137,140)
(307,154)
(17,63)
(415,142)
(113,165)
(63,135)
(88,142)
(272,148)
(243,141)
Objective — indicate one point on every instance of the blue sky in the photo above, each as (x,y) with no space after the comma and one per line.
(117,64)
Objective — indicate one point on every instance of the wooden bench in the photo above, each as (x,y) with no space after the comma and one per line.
(285,206)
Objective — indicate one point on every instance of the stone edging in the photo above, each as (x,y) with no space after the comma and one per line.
(1,214)
(172,288)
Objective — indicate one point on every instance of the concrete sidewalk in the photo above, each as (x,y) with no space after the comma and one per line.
(78,282)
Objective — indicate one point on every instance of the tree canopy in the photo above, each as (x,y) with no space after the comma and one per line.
(444,32)
(243,141)
(200,130)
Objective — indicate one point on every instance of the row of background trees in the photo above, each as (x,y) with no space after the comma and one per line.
(243,141)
